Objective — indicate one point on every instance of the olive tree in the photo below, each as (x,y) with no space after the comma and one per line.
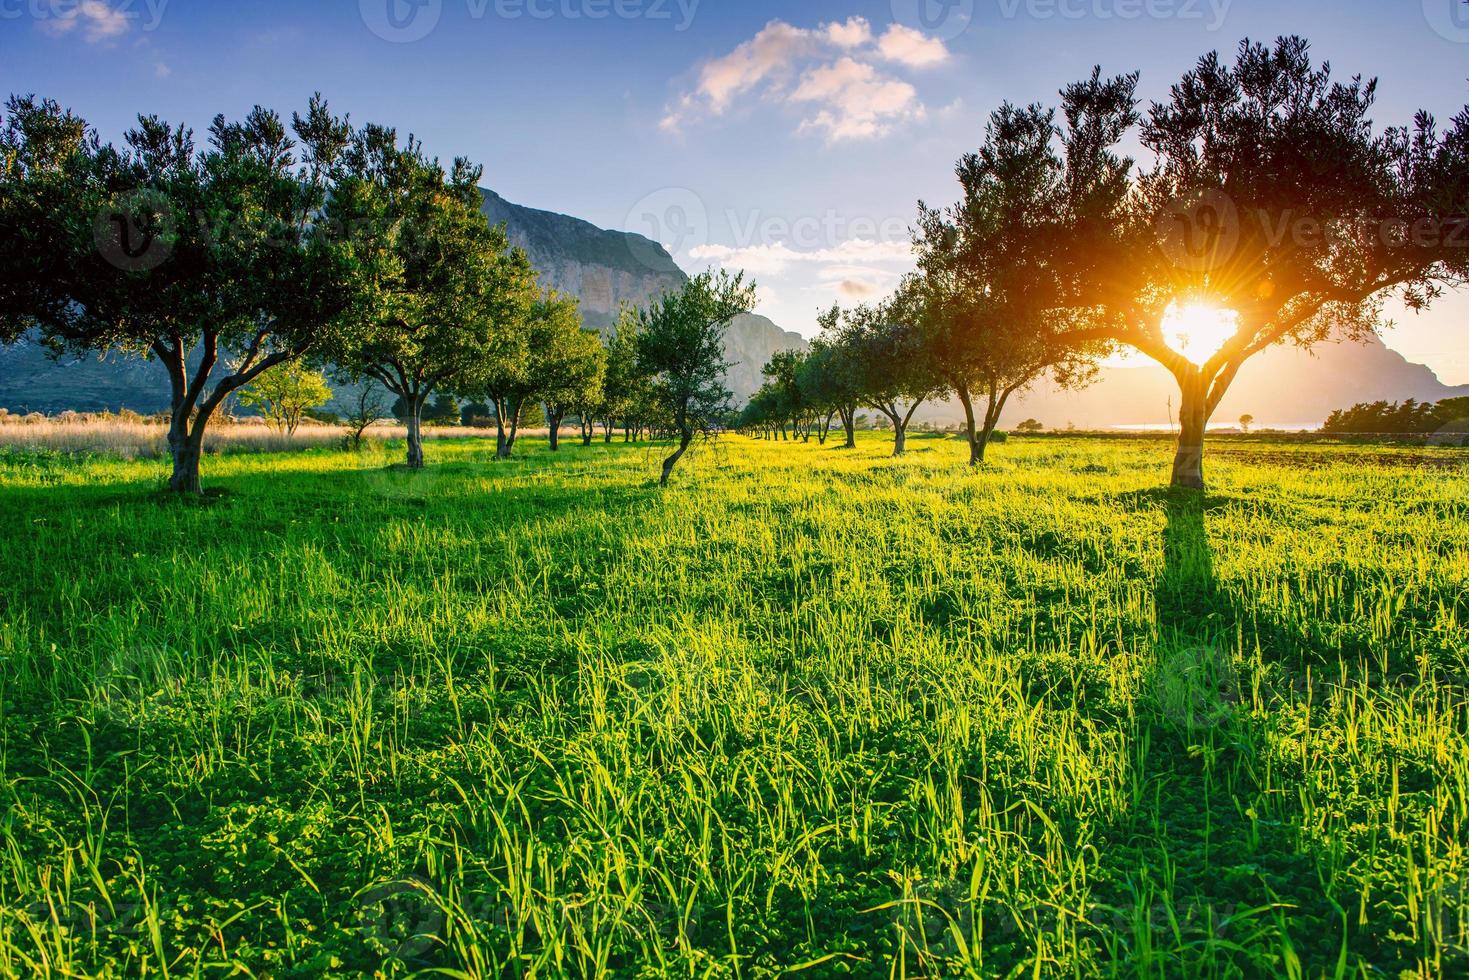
(829,377)
(285,393)
(888,357)
(449,297)
(568,366)
(1272,196)
(992,297)
(207,260)
(680,346)
(536,358)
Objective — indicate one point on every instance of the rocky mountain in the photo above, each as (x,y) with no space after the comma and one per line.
(603,268)
(607,269)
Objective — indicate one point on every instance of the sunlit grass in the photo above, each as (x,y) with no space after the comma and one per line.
(805,708)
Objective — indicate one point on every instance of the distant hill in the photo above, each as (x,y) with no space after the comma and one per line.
(603,268)
(1282,387)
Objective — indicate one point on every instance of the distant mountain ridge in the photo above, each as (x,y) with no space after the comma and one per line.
(1281,387)
(604,269)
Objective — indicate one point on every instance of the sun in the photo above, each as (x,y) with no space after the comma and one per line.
(1198,330)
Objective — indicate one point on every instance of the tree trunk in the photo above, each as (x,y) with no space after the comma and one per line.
(554,422)
(505,438)
(415,433)
(186,451)
(971,430)
(685,438)
(514,431)
(849,425)
(900,438)
(1193,418)
(976,451)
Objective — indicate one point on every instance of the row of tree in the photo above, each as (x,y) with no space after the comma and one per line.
(1271,196)
(1406,418)
(275,244)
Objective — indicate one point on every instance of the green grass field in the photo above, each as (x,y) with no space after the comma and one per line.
(805,712)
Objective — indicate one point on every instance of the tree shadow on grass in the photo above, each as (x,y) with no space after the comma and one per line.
(1227,886)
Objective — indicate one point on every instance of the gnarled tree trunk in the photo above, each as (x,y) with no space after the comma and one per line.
(187,449)
(1193,420)
(971,427)
(685,438)
(192,409)
(415,433)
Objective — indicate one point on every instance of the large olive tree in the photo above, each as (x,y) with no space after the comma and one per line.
(1271,195)
(205,259)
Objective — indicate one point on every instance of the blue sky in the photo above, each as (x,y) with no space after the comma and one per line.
(792,139)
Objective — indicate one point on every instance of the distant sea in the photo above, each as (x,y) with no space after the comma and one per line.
(1213,426)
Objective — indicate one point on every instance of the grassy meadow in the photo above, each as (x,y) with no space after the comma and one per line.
(807,712)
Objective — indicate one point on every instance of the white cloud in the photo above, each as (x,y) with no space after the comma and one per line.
(855,33)
(912,48)
(828,72)
(96,20)
(859,102)
(160,70)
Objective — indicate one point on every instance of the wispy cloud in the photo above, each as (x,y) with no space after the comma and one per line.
(829,73)
(778,257)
